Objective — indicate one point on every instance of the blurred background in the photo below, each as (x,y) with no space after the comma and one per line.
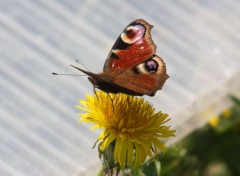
(199,41)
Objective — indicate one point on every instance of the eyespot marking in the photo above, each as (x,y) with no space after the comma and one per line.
(153,65)
(133,33)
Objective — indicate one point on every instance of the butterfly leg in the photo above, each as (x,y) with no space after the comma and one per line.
(94,90)
(129,104)
(111,101)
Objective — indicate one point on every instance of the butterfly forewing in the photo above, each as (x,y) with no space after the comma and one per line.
(132,47)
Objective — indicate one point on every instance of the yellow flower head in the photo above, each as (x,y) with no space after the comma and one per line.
(129,122)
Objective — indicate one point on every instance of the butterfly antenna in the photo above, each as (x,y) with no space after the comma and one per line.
(84,71)
(81,64)
(66,74)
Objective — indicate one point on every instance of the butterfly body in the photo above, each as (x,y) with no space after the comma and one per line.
(131,66)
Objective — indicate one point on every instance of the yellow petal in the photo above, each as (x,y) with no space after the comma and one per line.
(123,154)
(107,141)
(129,151)
(147,148)
(118,150)
(95,127)
(138,154)
(159,145)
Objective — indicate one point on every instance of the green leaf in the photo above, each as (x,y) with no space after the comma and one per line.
(152,168)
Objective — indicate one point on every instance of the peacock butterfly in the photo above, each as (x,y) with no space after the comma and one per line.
(131,66)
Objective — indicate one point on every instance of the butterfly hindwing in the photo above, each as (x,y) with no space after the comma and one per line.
(146,78)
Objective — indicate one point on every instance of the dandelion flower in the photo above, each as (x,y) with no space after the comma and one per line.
(128,123)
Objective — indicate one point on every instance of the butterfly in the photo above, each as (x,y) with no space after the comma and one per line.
(132,67)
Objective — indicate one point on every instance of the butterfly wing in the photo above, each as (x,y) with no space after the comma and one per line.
(132,66)
(146,78)
(132,47)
